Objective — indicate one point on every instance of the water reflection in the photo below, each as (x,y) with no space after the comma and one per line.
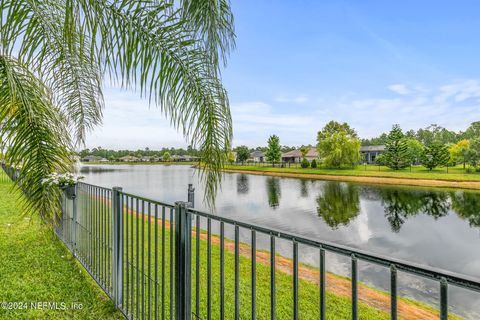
(303,188)
(399,204)
(273,191)
(466,205)
(242,184)
(338,203)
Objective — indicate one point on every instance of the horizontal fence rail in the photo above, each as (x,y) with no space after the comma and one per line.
(161,261)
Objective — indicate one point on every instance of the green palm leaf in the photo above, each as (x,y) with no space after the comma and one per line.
(169,53)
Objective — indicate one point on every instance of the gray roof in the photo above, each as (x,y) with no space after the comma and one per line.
(257,154)
(372,148)
(312,153)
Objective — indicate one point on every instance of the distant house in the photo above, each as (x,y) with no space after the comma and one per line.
(184,158)
(129,159)
(296,155)
(370,153)
(257,156)
(91,158)
(146,159)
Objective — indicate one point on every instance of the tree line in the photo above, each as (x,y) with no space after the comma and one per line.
(113,155)
(338,145)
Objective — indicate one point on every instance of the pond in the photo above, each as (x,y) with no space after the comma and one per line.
(433,227)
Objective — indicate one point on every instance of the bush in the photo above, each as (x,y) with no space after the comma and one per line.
(305,163)
(469,170)
(313,164)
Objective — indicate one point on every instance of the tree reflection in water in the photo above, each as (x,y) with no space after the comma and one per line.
(242,183)
(338,203)
(466,205)
(273,191)
(399,204)
(303,188)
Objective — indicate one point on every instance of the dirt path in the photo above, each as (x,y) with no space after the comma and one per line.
(335,284)
(369,180)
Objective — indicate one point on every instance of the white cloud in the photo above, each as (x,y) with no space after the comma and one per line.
(297,100)
(399,89)
(459,91)
(130,123)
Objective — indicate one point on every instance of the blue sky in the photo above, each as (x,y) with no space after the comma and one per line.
(301,63)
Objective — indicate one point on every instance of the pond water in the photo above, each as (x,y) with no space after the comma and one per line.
(433,227)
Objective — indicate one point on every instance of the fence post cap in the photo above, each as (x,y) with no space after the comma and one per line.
(117,188)
(181,203)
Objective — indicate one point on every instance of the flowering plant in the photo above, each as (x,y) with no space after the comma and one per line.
(64,180)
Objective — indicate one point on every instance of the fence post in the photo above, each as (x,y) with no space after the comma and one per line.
(191,195)
(74,220)
(117,216)
(183,261)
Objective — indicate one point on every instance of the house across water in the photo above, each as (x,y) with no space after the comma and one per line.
(370,153)
(257,156)
(296,155)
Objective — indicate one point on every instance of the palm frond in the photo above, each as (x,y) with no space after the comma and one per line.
(212,20)
(33,130)
(170,53)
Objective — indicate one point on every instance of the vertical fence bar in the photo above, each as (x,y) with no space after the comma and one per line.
(222,270)
(354,288)
(143,258)
(117,246)
(272,278)
(443,299)
(156,262)
(322,285)
(172,264)
(209,269)
(74,221)
(183,256)
(237,273)
(295,280)
(163,262)
(254,275)
(197,267)
(133,216)
(127,284)
(393,292)
(149,247)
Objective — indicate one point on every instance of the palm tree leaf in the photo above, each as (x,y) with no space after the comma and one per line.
(32,129)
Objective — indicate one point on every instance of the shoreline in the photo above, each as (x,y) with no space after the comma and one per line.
(471,185)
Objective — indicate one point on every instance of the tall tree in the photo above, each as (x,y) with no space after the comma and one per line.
(338,145)
(54,56)
(459,152)
(243,153)
(414,150)
(274,152)
(434,155)
(396,149)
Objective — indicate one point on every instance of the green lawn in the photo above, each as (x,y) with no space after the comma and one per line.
(416,172)
(36,267)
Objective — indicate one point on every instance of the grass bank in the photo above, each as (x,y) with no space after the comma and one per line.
(373,304)
(36,267)
(455,178)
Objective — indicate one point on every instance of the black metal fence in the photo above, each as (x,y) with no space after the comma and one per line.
(162,261)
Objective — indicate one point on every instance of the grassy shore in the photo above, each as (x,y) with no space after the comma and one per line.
(455,178)
(373,304)
(36,267)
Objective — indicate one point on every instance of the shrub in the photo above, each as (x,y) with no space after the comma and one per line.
(313,164)
(469,170)
(305,163)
